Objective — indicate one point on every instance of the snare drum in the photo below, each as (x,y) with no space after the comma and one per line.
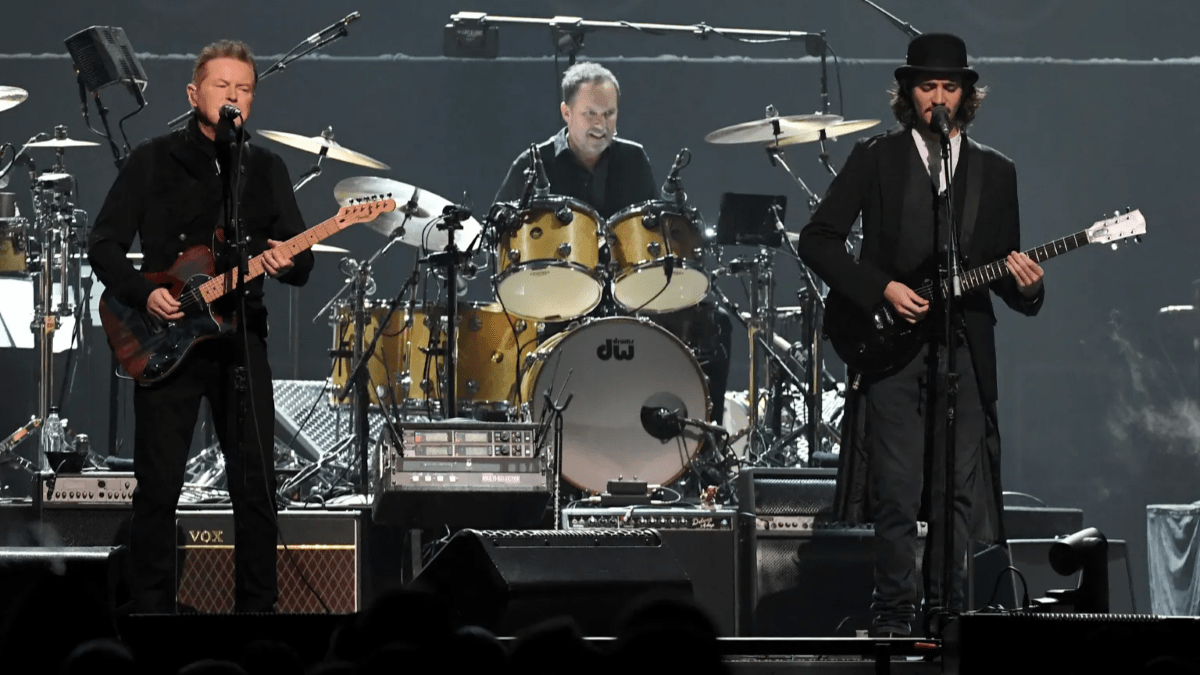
(615,367)
(641,238)
(13,246)
(548,264)
(492,346)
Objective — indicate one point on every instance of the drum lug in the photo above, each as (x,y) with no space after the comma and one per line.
(473,387)
(535,233)
(564,249)
(654,248)
(514,255)
(519,326)
(476,324)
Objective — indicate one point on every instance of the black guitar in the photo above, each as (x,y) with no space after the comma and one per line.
(881,341)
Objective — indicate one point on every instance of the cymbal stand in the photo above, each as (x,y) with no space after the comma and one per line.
(54,218)
(760,330)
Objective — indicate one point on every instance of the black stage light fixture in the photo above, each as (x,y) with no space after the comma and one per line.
(469,35)
(1086,550)
(102,56)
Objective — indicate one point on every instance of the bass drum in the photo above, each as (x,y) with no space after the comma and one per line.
(614,367)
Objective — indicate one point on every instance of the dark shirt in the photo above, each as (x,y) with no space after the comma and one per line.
(171,195)
(621,178)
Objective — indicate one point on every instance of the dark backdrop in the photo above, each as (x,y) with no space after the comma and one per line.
(1089,98)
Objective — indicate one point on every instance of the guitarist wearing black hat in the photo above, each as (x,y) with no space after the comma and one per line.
(896,181)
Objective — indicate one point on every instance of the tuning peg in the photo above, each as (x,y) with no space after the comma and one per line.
(1128,209)
(1116,214)
(1137,239)
(1115,245)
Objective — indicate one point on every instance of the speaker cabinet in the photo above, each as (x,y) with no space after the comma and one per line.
(318,570)
(506,580)
(1032,557)
(798,573)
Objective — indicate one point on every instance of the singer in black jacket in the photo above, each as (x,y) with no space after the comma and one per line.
(172,195)
(588,162)
(896,182)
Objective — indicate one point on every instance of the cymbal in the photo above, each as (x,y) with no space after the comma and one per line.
(11,97)
(415,209)
(61,143)
(325,248)
(838,129)
(766,130)
(314,144)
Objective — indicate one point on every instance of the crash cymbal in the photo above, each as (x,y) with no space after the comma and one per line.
(61,143)
(314,144)
(415,209)
(325,248)
(11,97)
(839,129)
(770,129)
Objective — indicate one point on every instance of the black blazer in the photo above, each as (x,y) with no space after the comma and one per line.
(872,184)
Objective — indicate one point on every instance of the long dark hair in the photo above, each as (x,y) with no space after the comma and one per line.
(906,113)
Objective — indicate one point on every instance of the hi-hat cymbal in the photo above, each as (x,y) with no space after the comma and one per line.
(771,129)
(61,143)
(415,209)
(11,97)
(839,129)
(314,144)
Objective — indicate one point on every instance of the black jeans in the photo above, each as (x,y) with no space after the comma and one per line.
(904,477)
(165,419)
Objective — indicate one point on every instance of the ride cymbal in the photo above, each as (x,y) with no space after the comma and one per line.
(842,128)
(772,129)
(315,144)
(415,211)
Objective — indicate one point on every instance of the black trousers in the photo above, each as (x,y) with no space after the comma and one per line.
(904,476)
(165,419)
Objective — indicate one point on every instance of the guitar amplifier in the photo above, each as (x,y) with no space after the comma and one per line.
(463,474)
(318,570)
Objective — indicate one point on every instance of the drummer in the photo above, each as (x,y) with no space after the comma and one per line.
(586,161)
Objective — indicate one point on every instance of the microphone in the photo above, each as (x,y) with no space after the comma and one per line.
(660,422)
(531,173)
(670,187)
(543,182)
(940,120)
(339,25)
(230,112)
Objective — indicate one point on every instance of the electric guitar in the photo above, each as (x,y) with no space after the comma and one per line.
(150,348)
(881,341)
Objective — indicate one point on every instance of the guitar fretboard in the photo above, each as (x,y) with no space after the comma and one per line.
(986,274)
(223,283)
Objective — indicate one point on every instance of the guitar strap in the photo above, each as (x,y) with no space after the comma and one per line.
(971,205)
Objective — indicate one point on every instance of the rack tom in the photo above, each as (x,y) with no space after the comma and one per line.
(657,257)
(548,261)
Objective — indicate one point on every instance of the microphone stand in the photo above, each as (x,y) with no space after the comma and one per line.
(293,55)
(241,377)
(902,25)
(947,303)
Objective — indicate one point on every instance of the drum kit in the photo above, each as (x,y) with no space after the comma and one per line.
(554,259)
(40,254)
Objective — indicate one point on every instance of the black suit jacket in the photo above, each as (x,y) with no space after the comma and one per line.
(872,184)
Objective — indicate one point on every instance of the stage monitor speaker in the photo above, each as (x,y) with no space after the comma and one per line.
(87,567)
(1032,557)
(506,580)
(318,570)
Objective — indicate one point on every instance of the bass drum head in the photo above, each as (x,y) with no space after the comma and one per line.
(614,367)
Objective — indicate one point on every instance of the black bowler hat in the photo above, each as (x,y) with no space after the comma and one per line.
(937,54)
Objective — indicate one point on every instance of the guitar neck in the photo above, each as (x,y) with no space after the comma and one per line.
(224,283)
(986,274)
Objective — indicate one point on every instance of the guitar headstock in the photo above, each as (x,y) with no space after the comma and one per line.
(364,210)
(1130,224)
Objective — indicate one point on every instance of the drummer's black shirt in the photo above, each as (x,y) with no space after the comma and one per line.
(622,176)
